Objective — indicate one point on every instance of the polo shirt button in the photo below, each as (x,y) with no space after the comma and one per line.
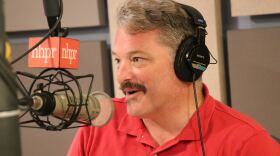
(142,136)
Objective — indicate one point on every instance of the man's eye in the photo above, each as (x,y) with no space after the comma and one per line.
(136,59)
(117,60)
(139,61)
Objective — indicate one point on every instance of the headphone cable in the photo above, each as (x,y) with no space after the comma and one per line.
(198,117)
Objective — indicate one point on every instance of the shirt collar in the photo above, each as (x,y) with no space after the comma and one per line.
(134,126)
(131,125)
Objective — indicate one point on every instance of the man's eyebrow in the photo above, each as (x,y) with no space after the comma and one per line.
(130,53)
(136,52)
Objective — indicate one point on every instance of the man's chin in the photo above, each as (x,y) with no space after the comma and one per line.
(133,111)
(133,114)
(136,106)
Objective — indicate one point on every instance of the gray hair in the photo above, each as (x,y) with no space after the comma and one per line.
(167,16)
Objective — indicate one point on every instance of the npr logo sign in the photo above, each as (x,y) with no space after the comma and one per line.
(54,52)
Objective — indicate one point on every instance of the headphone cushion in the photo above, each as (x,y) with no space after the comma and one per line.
(189,55)
(182,68)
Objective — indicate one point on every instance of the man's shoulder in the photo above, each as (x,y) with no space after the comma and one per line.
(239,132)
(235,119)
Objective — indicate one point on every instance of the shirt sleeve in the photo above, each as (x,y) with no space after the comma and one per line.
(261,144)
(79,143)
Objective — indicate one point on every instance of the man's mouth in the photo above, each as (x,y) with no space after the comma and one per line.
(130,88)
(131,91)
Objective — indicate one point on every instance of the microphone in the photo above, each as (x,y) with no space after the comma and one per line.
(52,11)
(51,8)
(55,101)
(97,108)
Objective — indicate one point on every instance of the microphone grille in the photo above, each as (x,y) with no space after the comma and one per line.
(106,106)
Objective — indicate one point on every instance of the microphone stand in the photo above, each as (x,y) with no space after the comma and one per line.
(9,124)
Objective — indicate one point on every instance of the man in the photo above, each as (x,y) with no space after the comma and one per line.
(158,114)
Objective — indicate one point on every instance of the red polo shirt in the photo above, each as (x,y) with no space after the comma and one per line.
(226,133)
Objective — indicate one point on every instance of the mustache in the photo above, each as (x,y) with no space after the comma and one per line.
(128,84)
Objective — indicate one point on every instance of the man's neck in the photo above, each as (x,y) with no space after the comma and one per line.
(166,125)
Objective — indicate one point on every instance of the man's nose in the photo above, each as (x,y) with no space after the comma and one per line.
(124,72)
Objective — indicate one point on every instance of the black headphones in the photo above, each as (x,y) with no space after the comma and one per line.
(192,56)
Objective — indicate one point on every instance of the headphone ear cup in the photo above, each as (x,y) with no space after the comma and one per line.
(199,60)
(191,59)
(182,67)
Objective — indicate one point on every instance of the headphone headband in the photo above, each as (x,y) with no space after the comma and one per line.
(196,16)
(198,21)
